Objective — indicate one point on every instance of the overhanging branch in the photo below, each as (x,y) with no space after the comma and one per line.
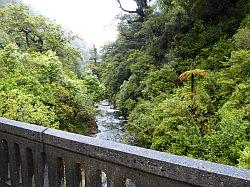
(129,11)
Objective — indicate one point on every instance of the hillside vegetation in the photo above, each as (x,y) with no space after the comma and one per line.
(181,75)
(40,81)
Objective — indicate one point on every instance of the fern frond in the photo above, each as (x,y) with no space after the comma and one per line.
(196,72)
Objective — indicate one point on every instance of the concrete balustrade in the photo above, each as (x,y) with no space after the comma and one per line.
(32,155)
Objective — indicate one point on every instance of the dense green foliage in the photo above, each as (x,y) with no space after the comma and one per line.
(181,76)
(38,79)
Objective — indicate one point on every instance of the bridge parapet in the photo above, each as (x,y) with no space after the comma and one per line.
(32,155)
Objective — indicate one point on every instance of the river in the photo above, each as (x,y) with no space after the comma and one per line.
(110,127)
(110,124)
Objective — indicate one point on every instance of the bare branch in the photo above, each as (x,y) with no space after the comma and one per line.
(129,11)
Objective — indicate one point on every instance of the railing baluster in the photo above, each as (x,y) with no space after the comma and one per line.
(73,175)
(93,177)
(14,156)
(115,180)
(39,168)
(114,177)
(52,172)
(4,159)
(27,166)
(55,171)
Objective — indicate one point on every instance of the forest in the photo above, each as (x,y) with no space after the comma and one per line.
(40,80)
(179,71)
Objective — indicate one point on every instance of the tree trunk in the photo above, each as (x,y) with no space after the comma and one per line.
(27,39)
(193,93)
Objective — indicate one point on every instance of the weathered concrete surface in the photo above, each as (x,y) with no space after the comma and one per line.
(196,172)
(32,132)
(78,153)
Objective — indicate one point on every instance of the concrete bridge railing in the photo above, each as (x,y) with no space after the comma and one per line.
(31,155)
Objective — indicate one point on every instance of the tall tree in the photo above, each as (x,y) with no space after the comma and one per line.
(142,5)
(37,33)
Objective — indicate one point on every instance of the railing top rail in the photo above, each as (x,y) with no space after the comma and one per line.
(193,171)
(30,131)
